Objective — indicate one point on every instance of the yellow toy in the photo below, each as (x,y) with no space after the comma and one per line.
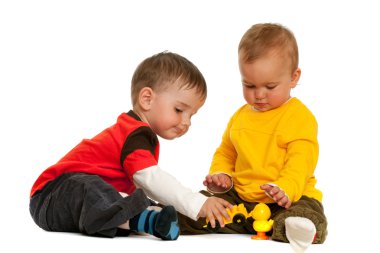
(261,213)
(238,215)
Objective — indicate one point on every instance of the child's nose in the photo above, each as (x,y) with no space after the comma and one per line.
(186,121)
(259,94)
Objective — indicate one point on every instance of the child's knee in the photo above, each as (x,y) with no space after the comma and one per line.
(317,217)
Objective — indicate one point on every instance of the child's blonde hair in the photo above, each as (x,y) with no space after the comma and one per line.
(165,68)
(263,38)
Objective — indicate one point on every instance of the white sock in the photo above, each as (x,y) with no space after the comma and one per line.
(300,233)
(155,208)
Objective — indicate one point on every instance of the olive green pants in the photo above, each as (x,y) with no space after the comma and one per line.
(305,207)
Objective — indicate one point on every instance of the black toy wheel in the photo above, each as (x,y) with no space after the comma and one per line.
(215,229)
(238,218)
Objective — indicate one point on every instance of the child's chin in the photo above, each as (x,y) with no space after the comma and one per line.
(262,109)
(169,136)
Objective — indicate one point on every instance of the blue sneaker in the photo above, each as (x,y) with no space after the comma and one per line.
(166,226)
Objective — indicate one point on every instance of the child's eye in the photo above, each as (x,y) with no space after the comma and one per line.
(178,110)
(271,86)
(248,86)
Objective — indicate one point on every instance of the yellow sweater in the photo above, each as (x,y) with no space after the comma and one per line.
(278,146)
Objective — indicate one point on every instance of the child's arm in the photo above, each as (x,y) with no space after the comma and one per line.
(300,140)
(164,188)
(223,163)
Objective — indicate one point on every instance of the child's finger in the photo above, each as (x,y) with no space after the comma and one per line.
(274,191)
(280,201)
(216,181)
(211,219)
(227,204)
(278,196)
(224,214)
(221,215)
(223,208)
(220,220)
(265,187)
(284,202)
(225,182)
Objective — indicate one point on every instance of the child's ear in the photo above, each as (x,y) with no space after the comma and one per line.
(145,98)
(295,77)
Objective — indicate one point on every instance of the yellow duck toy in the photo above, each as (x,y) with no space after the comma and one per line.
(261,213)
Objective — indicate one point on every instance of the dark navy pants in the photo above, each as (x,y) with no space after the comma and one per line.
(78,202)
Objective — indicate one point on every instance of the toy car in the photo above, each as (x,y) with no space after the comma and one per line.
(238,215)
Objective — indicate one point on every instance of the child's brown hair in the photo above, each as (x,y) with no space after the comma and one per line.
(166,68)
(263,38)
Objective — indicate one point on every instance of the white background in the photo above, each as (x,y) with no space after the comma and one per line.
(65,71)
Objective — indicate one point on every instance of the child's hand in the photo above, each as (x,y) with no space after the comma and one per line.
(277,194)
(218,182)
(215,208)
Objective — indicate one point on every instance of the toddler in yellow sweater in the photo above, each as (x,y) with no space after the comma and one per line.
(269,150)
